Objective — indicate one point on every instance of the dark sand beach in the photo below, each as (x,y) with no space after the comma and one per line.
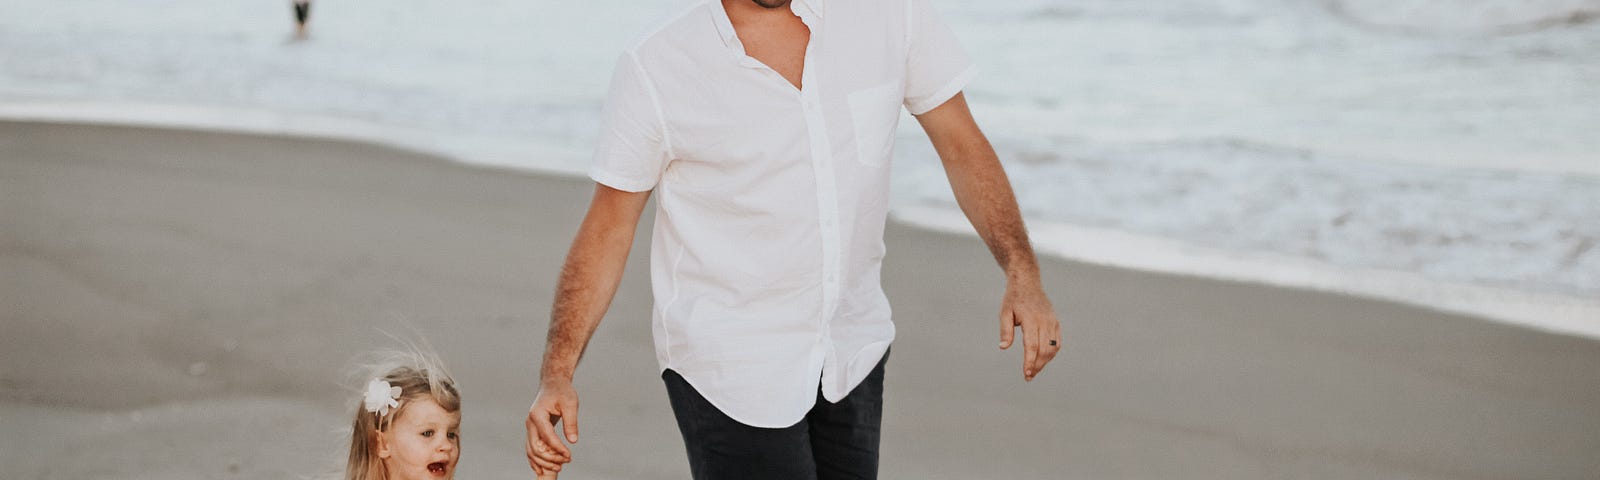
(183,304)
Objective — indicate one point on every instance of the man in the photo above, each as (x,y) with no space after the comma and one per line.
(765,127)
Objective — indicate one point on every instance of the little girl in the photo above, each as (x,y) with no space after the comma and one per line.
(407,423)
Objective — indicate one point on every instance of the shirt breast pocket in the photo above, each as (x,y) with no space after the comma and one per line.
(875,112)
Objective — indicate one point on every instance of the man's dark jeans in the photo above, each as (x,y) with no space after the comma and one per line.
(834,441)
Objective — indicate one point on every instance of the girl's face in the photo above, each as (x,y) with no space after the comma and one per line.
(422,443)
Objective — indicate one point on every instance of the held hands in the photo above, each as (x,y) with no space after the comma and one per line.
(557,402)
(1027,306)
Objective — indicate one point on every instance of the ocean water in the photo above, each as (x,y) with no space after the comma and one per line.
(1453,141)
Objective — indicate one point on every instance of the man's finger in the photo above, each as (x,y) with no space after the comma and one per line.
(1047,352)
(554,450)
(1030,355)
(546,464)
(1053,341)
(541,453)
(569,422)
(541,464)
(1007,327)
(547,434)
(534,463)
(533,439)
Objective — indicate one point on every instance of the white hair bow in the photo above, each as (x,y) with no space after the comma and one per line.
(380,397)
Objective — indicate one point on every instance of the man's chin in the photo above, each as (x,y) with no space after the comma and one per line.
(772,3)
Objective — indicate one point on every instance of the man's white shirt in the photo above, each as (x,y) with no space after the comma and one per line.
(771,200)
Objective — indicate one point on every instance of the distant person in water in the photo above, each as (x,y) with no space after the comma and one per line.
(302,12)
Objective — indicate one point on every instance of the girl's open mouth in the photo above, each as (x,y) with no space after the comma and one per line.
(436,468)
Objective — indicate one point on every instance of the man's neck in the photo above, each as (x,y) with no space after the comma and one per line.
(773,36)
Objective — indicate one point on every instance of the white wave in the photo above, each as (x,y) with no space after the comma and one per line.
(1467,16)
(1524,230)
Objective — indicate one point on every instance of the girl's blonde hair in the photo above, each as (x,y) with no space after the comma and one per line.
(419,375)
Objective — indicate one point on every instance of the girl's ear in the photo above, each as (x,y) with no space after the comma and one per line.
(382,445)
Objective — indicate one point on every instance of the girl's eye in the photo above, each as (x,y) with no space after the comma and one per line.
(452,435)
(428,433)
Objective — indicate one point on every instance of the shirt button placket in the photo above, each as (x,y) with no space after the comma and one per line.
(827,201)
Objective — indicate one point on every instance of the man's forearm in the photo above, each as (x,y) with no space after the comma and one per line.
(588,282)
(581,301)
(984,193)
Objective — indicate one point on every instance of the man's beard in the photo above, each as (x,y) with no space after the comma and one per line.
(772,3)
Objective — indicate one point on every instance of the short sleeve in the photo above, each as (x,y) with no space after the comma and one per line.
(632,148)
(936,66)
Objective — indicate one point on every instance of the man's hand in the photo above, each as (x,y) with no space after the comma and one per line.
(1027,306)
(557,402)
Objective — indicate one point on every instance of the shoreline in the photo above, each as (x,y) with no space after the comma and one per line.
(1544,311)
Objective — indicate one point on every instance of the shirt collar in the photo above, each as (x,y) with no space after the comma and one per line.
(719,17)
(804,7)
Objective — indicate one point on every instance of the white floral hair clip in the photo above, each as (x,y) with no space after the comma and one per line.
(380,397)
